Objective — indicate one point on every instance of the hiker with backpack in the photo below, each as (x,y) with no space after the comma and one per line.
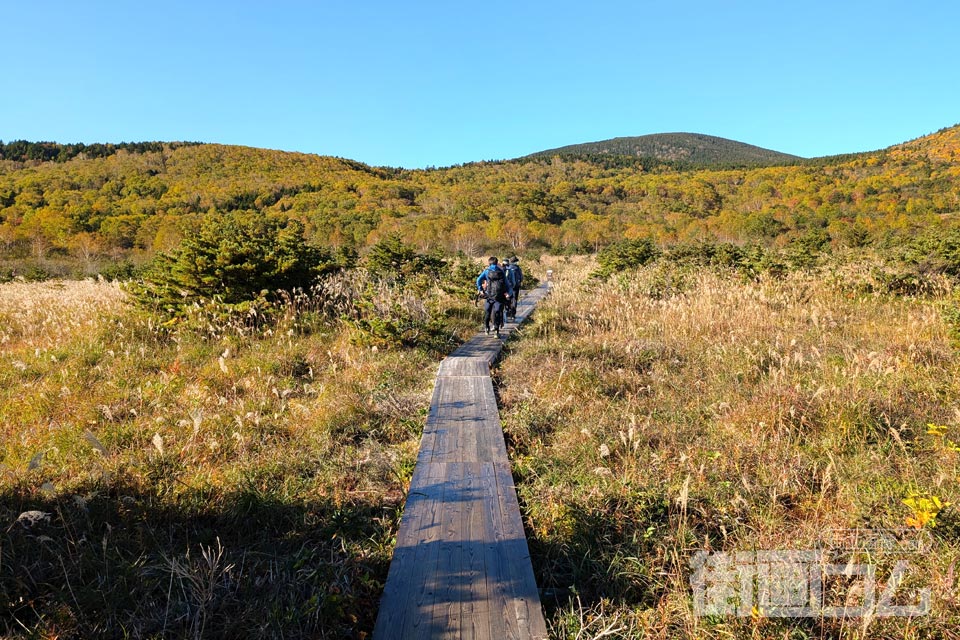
(514,280)
(492,285)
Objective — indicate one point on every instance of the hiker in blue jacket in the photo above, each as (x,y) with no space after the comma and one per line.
(514,280)
(492,285)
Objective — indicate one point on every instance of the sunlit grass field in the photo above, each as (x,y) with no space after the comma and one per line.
(209,479)
(228,478)
(678,409)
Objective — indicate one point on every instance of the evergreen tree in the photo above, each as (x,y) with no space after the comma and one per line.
(235,258)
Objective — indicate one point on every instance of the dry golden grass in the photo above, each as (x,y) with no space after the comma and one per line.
(678,410)
(208,479)
(219,480)
(42,315)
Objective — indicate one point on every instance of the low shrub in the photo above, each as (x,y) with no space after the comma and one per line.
(625,255)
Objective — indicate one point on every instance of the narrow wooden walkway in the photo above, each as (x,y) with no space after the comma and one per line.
(461,568)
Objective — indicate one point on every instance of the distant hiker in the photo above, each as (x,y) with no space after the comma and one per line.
(514,280)
(492,285)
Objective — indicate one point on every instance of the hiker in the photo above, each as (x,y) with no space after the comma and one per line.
(514,280)
(492,285)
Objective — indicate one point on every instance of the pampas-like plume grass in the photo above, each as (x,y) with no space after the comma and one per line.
(279,441)
(673,409)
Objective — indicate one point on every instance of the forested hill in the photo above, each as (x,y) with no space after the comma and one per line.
(134,202)
(687,148)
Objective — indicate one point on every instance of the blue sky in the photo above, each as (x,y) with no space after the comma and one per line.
(436,83)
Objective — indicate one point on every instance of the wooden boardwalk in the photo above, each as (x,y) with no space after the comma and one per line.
(461,568)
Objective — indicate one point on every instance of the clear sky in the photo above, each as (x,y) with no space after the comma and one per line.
(436,83)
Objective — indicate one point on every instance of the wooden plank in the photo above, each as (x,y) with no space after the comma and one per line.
(524,597)
(442,608)
(487,431)
(397,612)
(420,578)
(435,446)
(480,346)
(428,439)
(450,400)
(463,366)
(463,424)
(475,606)
(461,567)
(495,562)
(515,599)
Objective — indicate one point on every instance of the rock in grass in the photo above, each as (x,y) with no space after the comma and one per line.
(32,518)
(96,444)
(35,461)
(158,442)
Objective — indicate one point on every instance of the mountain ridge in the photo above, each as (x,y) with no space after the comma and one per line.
(680,149)
(697,149)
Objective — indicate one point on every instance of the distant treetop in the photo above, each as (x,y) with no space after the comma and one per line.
(23,150)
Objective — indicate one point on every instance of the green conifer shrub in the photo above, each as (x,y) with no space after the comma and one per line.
(237,259)
(628,254)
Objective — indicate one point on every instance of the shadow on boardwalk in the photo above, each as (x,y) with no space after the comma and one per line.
(460,567)
(449,605)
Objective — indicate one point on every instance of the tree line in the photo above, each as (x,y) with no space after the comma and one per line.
(25,151)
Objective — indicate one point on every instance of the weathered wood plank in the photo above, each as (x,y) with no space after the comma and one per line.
(464,366)
(446,581)
(461,567)
(524,597)
(463,424)
(475,606)
(420,585)
(482,347)
(428,441)
(411,553)
(495,559)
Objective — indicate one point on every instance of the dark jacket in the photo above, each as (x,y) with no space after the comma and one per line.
(498,288)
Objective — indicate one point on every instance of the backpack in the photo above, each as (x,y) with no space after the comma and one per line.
(496,284)
(515,275)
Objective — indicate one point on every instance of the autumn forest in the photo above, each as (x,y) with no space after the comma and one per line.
(73,209)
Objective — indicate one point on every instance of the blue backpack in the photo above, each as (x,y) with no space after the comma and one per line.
(514,276)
